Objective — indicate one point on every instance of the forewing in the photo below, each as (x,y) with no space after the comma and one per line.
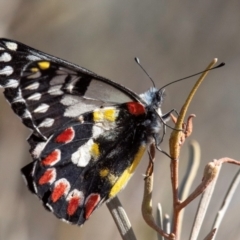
(47,92)
(87,162)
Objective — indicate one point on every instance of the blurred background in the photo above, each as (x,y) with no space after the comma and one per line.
(173,39)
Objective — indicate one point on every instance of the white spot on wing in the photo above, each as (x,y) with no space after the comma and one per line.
(82,156)
(48,122)
(70,88)
(77,109)
(33,58)
(81,119)
(70,100)
(11,46)
(5,57)
(49,207)
(32,86)
(65,221)
(34,75)
(97,131)
(25,179)
(12,83)
(77,105)
(32,173)
(59,79)
(7,70)
(18,97)
(70,85)
(38,149)
(26,114)
(55,90)
(35,97)
(42,108)
(33,169)
(1,49)
(35,187)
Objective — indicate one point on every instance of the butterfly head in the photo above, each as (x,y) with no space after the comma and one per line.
(154,98)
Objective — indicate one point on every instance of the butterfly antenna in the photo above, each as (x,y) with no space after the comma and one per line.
(139,64)
(218,66)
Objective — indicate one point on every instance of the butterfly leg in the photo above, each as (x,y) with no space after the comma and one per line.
(162,151)
(164,118)
(167,115)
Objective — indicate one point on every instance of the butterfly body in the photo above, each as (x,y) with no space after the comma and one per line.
(88,133)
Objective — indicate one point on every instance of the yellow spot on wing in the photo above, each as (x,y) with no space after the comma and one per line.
(34,69)
(112,178)
(123,179)
(44,65)
(95,150)
(109,114)
(97,116)
(104,172)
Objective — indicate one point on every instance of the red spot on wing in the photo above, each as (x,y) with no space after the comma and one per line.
(136,108)
(66,136)
(59,190)
(73,205)
(52,158)
(91,203)
(47,177)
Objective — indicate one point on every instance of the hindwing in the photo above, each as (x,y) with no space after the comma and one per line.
(87,161)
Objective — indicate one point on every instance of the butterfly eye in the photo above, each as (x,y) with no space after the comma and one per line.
(157,99)
(161,95)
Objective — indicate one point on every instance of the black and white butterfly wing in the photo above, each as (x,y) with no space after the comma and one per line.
(46,92)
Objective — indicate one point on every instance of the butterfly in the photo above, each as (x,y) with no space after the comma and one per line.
(88,133)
